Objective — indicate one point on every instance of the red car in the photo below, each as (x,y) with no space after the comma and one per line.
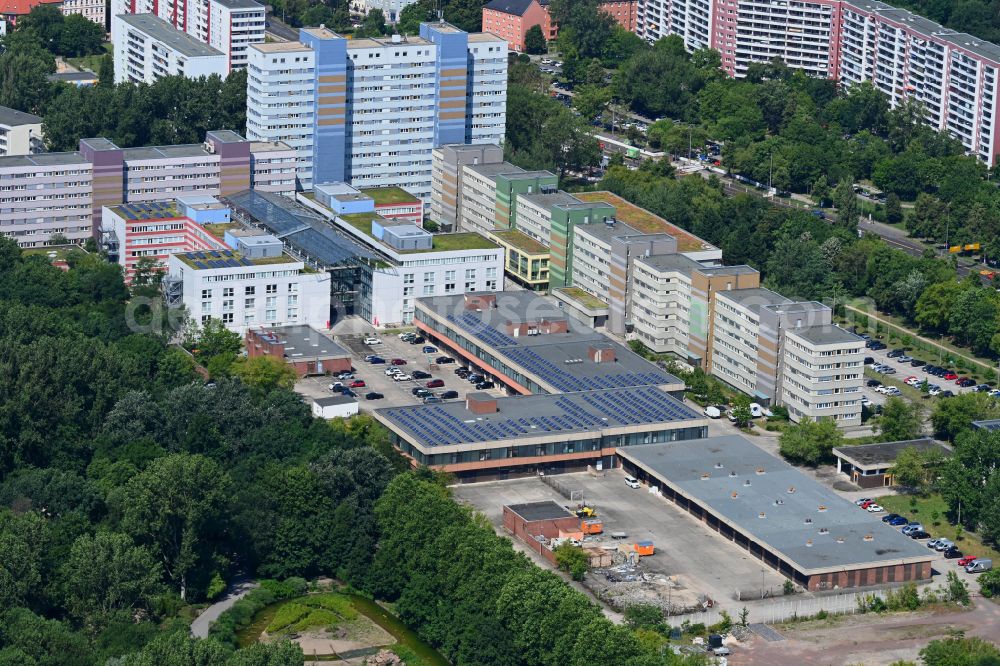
(965,560)
(398,361)
(357,383)
(865,505)
(435,383)
(950,376)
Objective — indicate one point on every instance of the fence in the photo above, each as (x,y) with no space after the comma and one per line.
(572,494)
(769,612)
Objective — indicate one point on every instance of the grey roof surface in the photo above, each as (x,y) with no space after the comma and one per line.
(226,136)
(915,21)
(740,269)
(547,510)
(240,4)
(101,143)
(550,199)
(825,335)
(165,152)
(783,528)
(494,168)
(606,232)
(520,418)
(754,298)
(305,341)
(72,76)
(987,424)
(558,359)
(515,7)
(670,262)
(335,400)
(161,31)
(304,230)
(884,453)
(13,117)
(42,159)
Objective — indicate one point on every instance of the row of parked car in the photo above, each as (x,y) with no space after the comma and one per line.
(915,530)
(900,356)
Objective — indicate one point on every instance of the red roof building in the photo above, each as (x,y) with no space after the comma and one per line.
(511,19)
(11,10)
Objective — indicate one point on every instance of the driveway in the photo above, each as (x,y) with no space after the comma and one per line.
(199,628)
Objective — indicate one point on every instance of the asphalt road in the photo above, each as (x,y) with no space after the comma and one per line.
(282,32)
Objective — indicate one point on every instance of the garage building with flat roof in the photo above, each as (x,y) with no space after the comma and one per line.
(784,518)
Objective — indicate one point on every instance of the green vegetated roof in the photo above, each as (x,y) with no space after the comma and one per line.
(390,195)
(585,298)
(644,221)
(521,241)
(442,242)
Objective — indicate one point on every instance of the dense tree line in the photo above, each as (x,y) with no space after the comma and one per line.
(73,35)
(170,111)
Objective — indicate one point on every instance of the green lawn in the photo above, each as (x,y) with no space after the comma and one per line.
(923,508)
(91,63)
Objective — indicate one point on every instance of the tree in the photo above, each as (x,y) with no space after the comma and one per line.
(265,373)
(178,507)
(821,191)
(106,574)
(591,101)
(910,469)
(373,24)
(956,414)
(80,36)
(213,340)
(989,583)
(846,202)
(893,209)
(741,413)
(572,559)
(534,40)
(810,442)
(900,420)
(960,652)
(413,15)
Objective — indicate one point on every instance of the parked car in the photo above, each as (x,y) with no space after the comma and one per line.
(435,383)
(862,500)
(866,503)
(369,357)
(934,542)
(376,360)
(887,370)
(874,508)
(894,353)
(943,545)
(336,386)
(899,520)
(912,381)
(947,394)
(406,335)
(417,340)
(950,376)
(442,360)
(373,395)
(984,388)
(449,395)
(979,565)
(903,358)
(348,392)
(462,372)
(398,361)
(712,412)
(357,383)
(917,363)
(430,349)
(912,527)
(918,534)
(419,391)
(951,553)
(873,382)
(965,382)
(869,360)
(431,399)
(631,481)
(876,345)
(474,378)
(393,370)
(345,375)
(420,374)
(890,516)
(402,377)
(892,391)
(965,560)
(484,385)
(371,340)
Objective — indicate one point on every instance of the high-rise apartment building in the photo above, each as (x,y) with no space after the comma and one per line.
(147,48)
(229,26)
(953,75)
(371,111)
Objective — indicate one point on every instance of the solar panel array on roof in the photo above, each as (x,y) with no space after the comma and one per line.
(436,426)
(566,380)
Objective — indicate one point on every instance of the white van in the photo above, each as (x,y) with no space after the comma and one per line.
(631,481)
(979,565)
(712,412)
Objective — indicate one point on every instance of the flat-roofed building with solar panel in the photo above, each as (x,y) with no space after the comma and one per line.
(485,437)
(269,289)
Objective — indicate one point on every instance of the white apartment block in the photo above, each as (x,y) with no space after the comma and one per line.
(953,75)
(274,165)
(478,210)
(735,345)
(534,214)
(229,26)
(260,292)
(20,133)
(822,368)
(44,195)
(661,301)
(280,106)
(147,48)
(93,10)
(487,106)
(370,112)
(393,105)
(390,8)
(447,177)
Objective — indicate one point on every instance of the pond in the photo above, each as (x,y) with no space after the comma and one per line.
(377,614)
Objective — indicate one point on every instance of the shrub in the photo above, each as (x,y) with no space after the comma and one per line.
(242,613)
(957,589)
(989,583)
(822,615)
(788,587)
(289,613)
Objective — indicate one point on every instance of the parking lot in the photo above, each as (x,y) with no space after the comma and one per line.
(703,562)
(395,393)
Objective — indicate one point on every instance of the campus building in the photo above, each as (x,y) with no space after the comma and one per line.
(71,189)
(576,396)
(147,48)
(20,133)
(447,173)
(320,96)
(308,350)
(511,19)
(153,231)
(228,26)
(953,75)
(254,285)
(781,516)
(871,465)
(411,263)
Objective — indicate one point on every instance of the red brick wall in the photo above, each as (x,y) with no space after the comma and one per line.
(899,573)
